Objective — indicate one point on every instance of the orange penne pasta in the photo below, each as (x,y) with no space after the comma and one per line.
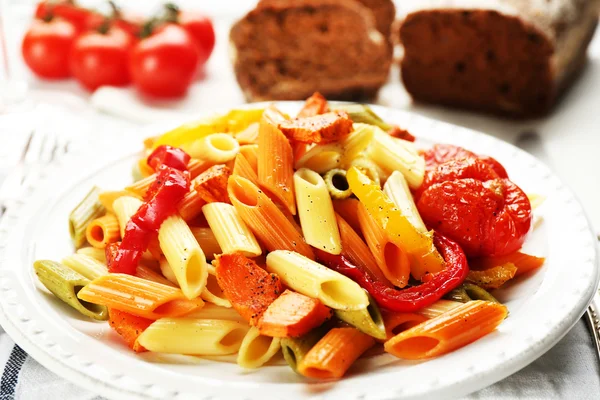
(447,332)
(144,168)
(250,151)
(299,149)
(523,262)
(243,168)
(248,135)
(348,210)
(396,323)
(275,164)
(196,167)
(145,272)
(335,353)
(102,231)
(207,241)
(138,296)
(393,262)
(356,250)
(262,216)
(191,205)
(438,308)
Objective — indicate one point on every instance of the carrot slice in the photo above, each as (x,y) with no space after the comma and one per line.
(324,128)
(211,185)
(129,326)
(314,105)
(292,314)
(248,287)
(523,262)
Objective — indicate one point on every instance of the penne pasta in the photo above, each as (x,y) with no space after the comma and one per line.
(267,222)
(348,210)
(213,292)
(85,265)
(314,280)
(248,135)
(145,272)
(275,164)
(369,168)
(337,185)
(335,353)
(108,198)
(144,169)
(85,212)
(356,142)
(184,255)
(98,254)
(397,155)
(202,337)
(191,205)
(167,271)
(65,283)
(438,308)
(257,349)
(250,153)
(317,218)
(447,332)
(138,296)
(321,158)
(125,207)
(368,320)
(357,251)
(217,148)
(207,241)
(295,349)
(141,186)
(230,230)
(243,168)
(396,323)
(396,188)
(391,259)
(213,311)
(102,231)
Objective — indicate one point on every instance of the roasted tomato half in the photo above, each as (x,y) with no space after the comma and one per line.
(440,153)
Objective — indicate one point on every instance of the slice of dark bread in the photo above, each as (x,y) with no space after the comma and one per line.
(512,57)
(384,12)
(289,49)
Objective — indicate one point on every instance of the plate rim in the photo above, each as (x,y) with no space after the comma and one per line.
(116,391)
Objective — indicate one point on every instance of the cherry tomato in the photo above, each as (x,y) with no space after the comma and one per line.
(80,17)
(99,59)
(201,29)
(466,200)
(46,47)
(165,63)
(441,153)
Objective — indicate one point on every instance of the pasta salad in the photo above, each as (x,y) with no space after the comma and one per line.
(319,236)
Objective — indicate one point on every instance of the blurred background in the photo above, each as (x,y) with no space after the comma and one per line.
(568,139)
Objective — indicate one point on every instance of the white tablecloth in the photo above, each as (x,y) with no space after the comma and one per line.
(570,141)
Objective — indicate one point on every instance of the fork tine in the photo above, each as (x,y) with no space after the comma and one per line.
(26,148)
(35,148)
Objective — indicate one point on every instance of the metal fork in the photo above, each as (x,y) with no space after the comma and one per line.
(41,148)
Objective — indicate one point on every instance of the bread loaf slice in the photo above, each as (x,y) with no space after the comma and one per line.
(511,57)
(384,12)
(289,49)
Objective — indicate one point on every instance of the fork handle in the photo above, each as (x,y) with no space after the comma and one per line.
(593,318)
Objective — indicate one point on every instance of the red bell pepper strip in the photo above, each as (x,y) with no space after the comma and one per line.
(413,298)
(170,156)
(168,189)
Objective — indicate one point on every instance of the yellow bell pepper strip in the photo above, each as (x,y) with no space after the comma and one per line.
(399,229)
(233,121)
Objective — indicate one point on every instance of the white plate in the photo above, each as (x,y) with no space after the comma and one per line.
(542,307)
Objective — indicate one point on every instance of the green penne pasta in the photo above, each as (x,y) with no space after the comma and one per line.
(85,212)
(337,185)
(478,293)
(65,283)
(368,320)
(85,265)
(294,349)
(363,113)
(458,294)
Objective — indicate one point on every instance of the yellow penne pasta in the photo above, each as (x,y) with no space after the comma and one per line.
(257,349)
(138,296)
(447,332)
(85,265)
(98,254)
(140,187)
(355,142)
(217,148)
(125,207)
(108,198)
(213,292)
(207,241)
(396,188)
(269,223)
(392,261)
(167,271)
(314,280)
(203,337)
(321,158)
(438,308)
(276,164)
(213,311)
(397,155)
(231,231)
(184,255)
(317,218)
(143,167)
(103,231)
